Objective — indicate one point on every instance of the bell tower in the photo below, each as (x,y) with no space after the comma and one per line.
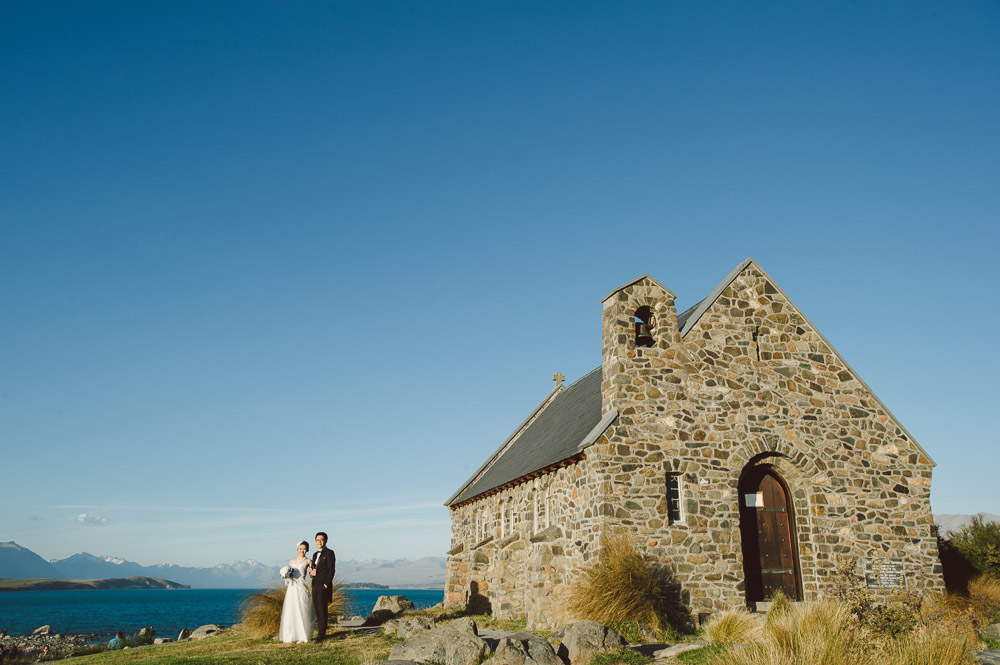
(639,333)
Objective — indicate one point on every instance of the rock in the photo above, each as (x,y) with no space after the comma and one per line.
(42,630)
(455,643)
(163,640)
(583,639)
(676,649)
(524,649)
(207,630)
(986,657)
(407,628)
(395,604)
(390,627)
(992,632)
(183,635)
(379,617)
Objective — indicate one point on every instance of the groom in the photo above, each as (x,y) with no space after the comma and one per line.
(324,566)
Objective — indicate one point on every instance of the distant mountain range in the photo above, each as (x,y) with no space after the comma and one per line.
(950,523)
(20,562)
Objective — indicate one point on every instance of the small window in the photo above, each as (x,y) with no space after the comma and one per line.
(644,324)
(673,498)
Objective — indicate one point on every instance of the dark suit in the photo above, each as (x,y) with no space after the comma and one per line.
(322,586)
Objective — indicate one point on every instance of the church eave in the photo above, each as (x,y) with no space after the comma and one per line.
(555,466)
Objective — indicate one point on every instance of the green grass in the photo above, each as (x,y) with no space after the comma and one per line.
(512,625)
(239,649)
(992,644)
(700,656)
(623,656)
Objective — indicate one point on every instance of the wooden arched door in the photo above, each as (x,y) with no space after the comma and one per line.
(767,525)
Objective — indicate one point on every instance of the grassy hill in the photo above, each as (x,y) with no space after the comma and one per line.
(38,584)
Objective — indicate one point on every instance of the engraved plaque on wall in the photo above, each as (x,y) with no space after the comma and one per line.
(883,573)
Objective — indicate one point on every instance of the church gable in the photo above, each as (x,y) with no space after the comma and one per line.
(753,329)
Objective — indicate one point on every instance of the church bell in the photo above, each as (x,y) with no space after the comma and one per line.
(642,336)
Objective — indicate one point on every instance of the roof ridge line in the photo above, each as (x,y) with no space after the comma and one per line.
(839,355)
(702,305)
(498,453)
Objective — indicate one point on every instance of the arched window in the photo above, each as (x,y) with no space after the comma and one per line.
(644,325)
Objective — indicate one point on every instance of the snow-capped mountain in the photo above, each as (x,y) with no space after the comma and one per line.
(427,572)
(951,523)
(235,575)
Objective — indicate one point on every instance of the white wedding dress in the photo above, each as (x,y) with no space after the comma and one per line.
(298,618)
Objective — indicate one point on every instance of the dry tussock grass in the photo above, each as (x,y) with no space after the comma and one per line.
(984,597)
(825,633)
(934,645)
(624,587)
(260,613)
(733,626)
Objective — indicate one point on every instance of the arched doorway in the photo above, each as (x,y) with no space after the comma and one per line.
(767,527)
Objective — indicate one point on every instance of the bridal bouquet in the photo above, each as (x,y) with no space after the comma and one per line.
(286,573)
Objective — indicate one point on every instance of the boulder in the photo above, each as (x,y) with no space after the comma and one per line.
(163,640)
(395,604)
(183,635)
(42,630)
(524,649)
(201,632)
(583,639)
(379,617)
(405,628)
(409,627)
(992,632)
(455,643)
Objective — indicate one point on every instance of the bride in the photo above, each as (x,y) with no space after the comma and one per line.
(298,618)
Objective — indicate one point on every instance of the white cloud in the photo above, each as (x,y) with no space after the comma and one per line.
(89,520)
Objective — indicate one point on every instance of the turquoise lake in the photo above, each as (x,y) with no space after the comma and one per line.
(167,611)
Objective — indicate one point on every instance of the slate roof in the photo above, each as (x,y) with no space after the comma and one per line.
(556,433)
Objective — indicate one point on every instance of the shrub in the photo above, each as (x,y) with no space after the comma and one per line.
(260,613)
(623,586)
(979,543)
(732,626)
(955,568)
(892,614)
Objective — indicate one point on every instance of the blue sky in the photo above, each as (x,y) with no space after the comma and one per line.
(272,267)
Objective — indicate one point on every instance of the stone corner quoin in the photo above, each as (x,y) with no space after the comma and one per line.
(746,457)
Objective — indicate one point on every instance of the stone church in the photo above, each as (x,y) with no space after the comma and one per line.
(732,442)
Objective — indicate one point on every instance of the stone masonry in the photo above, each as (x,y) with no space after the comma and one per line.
(740,381)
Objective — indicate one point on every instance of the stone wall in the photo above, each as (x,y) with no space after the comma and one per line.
(519,547)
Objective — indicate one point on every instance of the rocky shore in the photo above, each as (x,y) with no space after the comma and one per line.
(54,641)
